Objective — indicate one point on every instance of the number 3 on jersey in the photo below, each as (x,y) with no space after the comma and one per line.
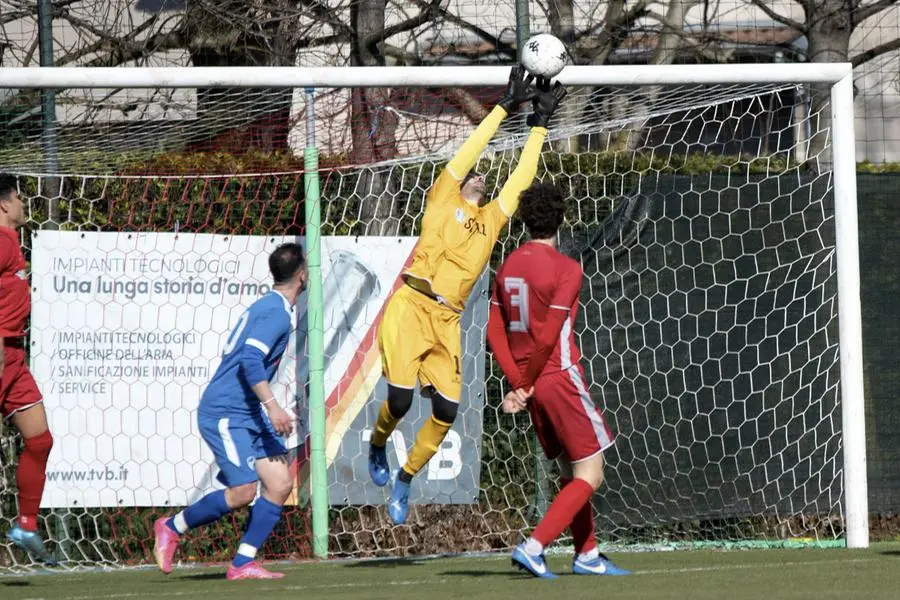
(517,288)
(232,340)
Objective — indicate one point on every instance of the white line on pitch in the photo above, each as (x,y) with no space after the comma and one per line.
(749,566)
(323,586)
(405,582)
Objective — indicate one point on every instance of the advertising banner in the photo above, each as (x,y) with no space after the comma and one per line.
(128,328)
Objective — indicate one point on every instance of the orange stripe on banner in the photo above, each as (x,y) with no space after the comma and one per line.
(366,345)
(354,398)
(365,359)
(342,416)
(354,386)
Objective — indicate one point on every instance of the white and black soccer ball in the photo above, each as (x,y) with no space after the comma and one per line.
(544,55)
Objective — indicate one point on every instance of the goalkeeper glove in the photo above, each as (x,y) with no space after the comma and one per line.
(518,90)
(545,102)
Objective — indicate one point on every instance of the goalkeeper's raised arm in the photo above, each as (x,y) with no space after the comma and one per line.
(518,90)
(545,103)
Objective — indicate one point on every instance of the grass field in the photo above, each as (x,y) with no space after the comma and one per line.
(817,574)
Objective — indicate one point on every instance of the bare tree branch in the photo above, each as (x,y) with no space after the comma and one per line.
(402,56)
(32,50)
(426,13)
(464,101)
(79,23)
(328,15)
(864,57)
(461,98)
(118,50)
(862,13)
(23,13)
(617,25)
(670,39)
(484,35)
(761,4)
(129,47)
(11,16)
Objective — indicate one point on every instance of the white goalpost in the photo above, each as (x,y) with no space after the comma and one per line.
(721,327)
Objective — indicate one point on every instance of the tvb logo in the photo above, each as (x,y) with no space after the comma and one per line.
(444,465)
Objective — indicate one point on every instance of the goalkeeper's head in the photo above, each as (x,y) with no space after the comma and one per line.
(472,187)
(288,267)
(542,208)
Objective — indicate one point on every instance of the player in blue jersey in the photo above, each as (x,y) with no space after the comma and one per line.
(242,423)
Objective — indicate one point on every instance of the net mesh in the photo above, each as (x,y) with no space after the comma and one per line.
(106,132)
(703,218)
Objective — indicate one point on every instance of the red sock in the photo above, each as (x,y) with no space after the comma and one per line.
(30,477)
(568,503)
(582,525)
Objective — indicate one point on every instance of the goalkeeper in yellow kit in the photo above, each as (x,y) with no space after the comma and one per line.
(419,336)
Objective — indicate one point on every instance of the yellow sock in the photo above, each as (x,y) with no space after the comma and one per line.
(427,443)
(384,426)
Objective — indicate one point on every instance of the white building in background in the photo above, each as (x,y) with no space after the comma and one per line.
(878,82)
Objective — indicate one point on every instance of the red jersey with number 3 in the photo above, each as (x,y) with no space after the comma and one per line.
(534,280)
(15,294)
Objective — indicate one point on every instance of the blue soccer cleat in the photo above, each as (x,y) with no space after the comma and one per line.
(398,507)
(536,565)
(378,465)
(30,542)
(599,565)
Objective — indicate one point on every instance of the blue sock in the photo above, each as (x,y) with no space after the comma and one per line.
(263,517)
(207,509)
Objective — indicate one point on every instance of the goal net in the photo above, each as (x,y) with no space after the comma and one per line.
(704,216)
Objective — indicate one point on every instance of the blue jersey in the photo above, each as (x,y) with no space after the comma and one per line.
(251,354)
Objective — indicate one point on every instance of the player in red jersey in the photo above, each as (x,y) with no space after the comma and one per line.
(20,399)
(530,332)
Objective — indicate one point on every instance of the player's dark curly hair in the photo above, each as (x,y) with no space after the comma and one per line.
(542,208)
(285,262)
(7,185)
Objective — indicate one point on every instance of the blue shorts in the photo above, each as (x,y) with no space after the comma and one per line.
(237,443)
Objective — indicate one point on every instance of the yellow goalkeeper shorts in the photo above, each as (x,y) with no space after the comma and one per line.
(419,339)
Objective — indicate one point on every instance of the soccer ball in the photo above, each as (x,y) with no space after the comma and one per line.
(544,55)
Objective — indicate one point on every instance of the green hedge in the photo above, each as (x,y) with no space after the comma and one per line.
(200,191)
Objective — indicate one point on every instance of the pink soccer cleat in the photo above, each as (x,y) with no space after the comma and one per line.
(166,544)
(252,570)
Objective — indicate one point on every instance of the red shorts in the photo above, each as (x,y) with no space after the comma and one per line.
(18,390)
(565,419)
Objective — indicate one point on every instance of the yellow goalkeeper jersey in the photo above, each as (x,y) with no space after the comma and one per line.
(457,236)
